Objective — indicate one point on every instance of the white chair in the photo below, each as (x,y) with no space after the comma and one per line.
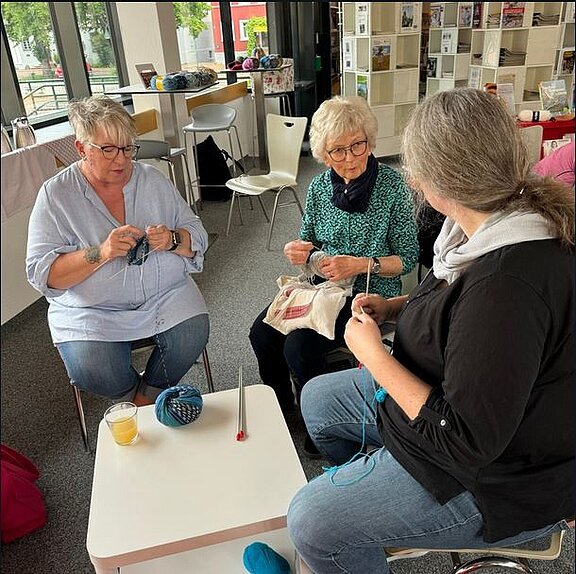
(140,346)
(284,135)
(510,558)
(161,150)
(212,118)
(532,138)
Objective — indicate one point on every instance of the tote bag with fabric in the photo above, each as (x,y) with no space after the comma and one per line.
(23,509)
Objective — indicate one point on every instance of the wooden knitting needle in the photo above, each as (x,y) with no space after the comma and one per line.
(240,435)
(367,281)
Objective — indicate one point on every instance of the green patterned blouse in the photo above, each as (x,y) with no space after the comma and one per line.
(388,227)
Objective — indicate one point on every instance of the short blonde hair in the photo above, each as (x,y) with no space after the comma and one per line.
(339,116)
(100,112)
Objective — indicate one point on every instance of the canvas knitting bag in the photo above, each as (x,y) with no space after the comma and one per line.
(23,508)
(301,305)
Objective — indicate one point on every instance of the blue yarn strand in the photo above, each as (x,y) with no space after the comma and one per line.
(379,396)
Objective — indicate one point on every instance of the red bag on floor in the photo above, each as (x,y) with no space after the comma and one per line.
(23,508)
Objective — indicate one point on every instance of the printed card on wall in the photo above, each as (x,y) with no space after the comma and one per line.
(550,146)
(361,18)
(513,14)
(408,22)
(566,61)
(477,15)
(465,15)
(553,96)
(362,86)
(348,53)
(449,43)
(474,77)
(506,94)
(436,16)
(431,67)
(380,54)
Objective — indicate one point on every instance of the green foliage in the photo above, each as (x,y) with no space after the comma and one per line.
(254,22)
(191,15)
(93,19)
(29,22)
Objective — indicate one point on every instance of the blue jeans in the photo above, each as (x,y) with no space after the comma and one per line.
(105,368)
(341,522)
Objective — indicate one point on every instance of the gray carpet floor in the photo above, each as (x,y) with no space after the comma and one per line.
(38,413)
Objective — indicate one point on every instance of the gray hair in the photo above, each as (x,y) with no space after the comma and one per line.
(340,116)
(466,146)
(100,112)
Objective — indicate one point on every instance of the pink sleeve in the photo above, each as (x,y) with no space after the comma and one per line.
(559,164)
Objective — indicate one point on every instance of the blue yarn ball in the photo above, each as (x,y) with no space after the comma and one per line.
(259,558)
(178,405)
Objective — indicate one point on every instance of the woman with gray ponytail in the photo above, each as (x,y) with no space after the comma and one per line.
(472,413)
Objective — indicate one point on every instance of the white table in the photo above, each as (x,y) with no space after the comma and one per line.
(193,487)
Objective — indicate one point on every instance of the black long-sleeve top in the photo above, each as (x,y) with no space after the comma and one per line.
(497,347)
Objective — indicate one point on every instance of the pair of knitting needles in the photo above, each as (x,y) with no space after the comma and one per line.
(240,433)
(366,294)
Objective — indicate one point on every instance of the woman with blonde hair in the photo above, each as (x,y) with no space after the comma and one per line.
(472,416)
(359,216)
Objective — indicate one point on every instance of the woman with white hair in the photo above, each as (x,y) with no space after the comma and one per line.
(472,416)
(359,214)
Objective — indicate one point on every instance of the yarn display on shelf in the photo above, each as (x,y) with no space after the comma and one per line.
(262,62)
(184,80)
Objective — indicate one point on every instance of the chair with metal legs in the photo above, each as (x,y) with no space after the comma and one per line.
(207,119)
(137,347)
(161,150)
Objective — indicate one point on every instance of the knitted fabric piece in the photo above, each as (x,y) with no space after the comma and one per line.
(259,558)
(178,405)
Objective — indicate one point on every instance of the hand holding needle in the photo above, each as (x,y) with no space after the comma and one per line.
(240,435)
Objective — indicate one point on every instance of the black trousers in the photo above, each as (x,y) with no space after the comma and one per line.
(301,352)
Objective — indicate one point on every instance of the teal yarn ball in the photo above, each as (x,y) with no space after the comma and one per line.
(259,558)
(178,405)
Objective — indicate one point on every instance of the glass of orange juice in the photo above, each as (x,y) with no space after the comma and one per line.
(121,419)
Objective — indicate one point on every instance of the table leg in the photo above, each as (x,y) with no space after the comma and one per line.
(172,136)
(258,90)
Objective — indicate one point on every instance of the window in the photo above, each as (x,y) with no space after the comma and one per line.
(31,39)
(242,28)
(96,41)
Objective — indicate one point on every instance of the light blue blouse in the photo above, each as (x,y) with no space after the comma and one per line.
(118,302)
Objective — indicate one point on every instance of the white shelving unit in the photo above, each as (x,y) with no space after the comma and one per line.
(517,47)
(565,53)
(381,62)
(449,46)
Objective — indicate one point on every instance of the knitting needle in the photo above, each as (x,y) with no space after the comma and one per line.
(367,281)
(366,295)
(240,434)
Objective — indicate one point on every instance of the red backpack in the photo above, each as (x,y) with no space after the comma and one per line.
(23,508)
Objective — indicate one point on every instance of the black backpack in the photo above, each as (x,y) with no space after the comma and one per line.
(214,171)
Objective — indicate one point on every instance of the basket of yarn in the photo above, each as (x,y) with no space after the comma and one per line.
(178,405)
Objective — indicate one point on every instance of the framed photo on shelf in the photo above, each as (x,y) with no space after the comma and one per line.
(407,18)
(431,67)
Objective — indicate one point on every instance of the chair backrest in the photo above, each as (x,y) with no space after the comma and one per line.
(152,149)
(532,138)
(285,135)
(212,117)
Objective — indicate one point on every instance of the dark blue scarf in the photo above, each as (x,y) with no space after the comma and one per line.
(355,196)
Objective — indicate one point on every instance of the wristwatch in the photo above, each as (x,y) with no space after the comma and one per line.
(375,266)
(176,239)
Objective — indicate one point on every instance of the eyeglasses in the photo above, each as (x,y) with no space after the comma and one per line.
(112,151)
(356,149)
